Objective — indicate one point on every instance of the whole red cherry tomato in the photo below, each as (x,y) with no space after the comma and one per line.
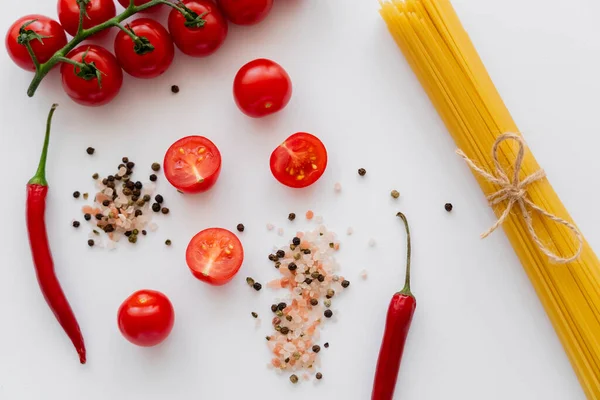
(86,86)
(97,12)
(214,256)
(262,87)
(203,38)
(125,3)
(192,164)
(245,12)
(146,318)
(52,34)
(299,161)
(149,58)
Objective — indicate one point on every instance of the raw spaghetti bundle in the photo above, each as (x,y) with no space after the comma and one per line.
(561,265)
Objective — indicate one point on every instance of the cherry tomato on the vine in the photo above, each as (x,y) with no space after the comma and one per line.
(246,12)
(208,33)
(146,318)
(214,256)
(125,3)
(96,12)
(299,161)
(262,87)
(50,32)
(192,164)
(96,84)
(149,58)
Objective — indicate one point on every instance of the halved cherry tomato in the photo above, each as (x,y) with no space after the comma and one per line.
(299,161)
(192,164)
(87,90)
(261,87)
(97,12)
(53,39)
(143,61)
(201,40)
(214,256)
(125,3)
(146,318)
(246,12)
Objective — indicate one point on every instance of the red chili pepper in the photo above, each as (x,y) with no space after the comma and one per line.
(399,317)
(37,189)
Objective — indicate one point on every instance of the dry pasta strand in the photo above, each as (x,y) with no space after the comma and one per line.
(444,59)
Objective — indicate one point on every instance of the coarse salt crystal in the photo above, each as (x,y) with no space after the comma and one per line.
(337,187)
(363,274)
(372,242)
(350,231)
(270,227)
(280,231)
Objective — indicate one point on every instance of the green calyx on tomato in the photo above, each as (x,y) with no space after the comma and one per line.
(27,35)
(141,44)
(88,71)
(192,18)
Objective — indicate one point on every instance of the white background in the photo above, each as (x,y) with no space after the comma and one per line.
(479,332)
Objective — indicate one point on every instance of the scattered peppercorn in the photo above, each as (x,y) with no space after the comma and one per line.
(319,375)
(106,203)
(76,194)
(316,348)
(308,281)
(280,253)
(273,306)
(314,302)
(448,207)
(138,213)
(326,345)
(294,379)
(255,315)
(76,224)
(362,171)
(292,266)
(159,199)
(99,216)
(146,197)
(273,257)
(153,177)
(285,330)
(328,313)
(165,210)
(327,303)
(330,293)
(128,233)
(168,242)
(240,227)
(306,251)
(250,282)
(175,89)
(85,196)
(257,286)
(155,166)
(90,150)
(125,160)
(289,318)
(90,243)
(321,278)
(292,216)
(277,264)
(130,164)
(144,232)
(132,239)
(95,176)
(281,306)
(345,283)
(395,194)
(156,207)
(87,217)
(296,241)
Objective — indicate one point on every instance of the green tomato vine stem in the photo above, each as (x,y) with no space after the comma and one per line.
(41,70)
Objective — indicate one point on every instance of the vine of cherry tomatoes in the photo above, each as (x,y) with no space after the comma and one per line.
(91,74)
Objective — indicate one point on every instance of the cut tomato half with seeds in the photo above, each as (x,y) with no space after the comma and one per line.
(215,255)
(299,161)
(192,164)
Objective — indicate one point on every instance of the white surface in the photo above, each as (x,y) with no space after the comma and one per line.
(479,331)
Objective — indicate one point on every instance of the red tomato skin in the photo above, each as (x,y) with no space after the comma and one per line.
(215,280)
(125,3)
(203,41)
(89,93)
(261,87)
(149,65)
(146,318)
(246,12)
(280,153)
(44,26)
(199,187)
(98,11)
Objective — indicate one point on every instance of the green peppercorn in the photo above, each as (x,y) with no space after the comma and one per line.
(308,281)
(314,302)
(297,256)
(293,378)
(127,192)
(327,303)
(328,313)
(395,194)
(250,282)
(156,207)
(345,283)
(155,166)
(132,239)
(277,264)
(279,313)
(95,176)
(306,251)
(255,315)
(292,247)
(146,198)
(316,348)
(268,338)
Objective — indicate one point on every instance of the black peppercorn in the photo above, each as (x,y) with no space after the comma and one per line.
(285,330)
(139,185)
(292,266)
(130,165)
(106,203)
(87,217)
(316,348)
(241,227)
(76,194)
(159,199)
(281,306)
(99,216)
(153,178)
(76,224)
(314,302)
(448,207)
(319,375)
(273,257)
(296,241)
(280,253)
(156,207)
(165,210)
(90,243)
(274,307)
(328,313)
(90,150)
(175,89)
(345,283)
(292,216)
(257,286)
(362,171)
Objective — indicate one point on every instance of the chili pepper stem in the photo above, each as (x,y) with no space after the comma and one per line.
(40,175)
(406,289)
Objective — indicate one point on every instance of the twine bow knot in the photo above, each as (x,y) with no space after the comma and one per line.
(514,192)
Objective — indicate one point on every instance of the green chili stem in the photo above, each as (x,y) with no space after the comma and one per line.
(40,175)
(406,289)
(82,34)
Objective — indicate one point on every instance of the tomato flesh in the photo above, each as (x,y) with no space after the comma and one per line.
(146,318)
(299,161)
(192,164)
(261,87)
(214,256)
